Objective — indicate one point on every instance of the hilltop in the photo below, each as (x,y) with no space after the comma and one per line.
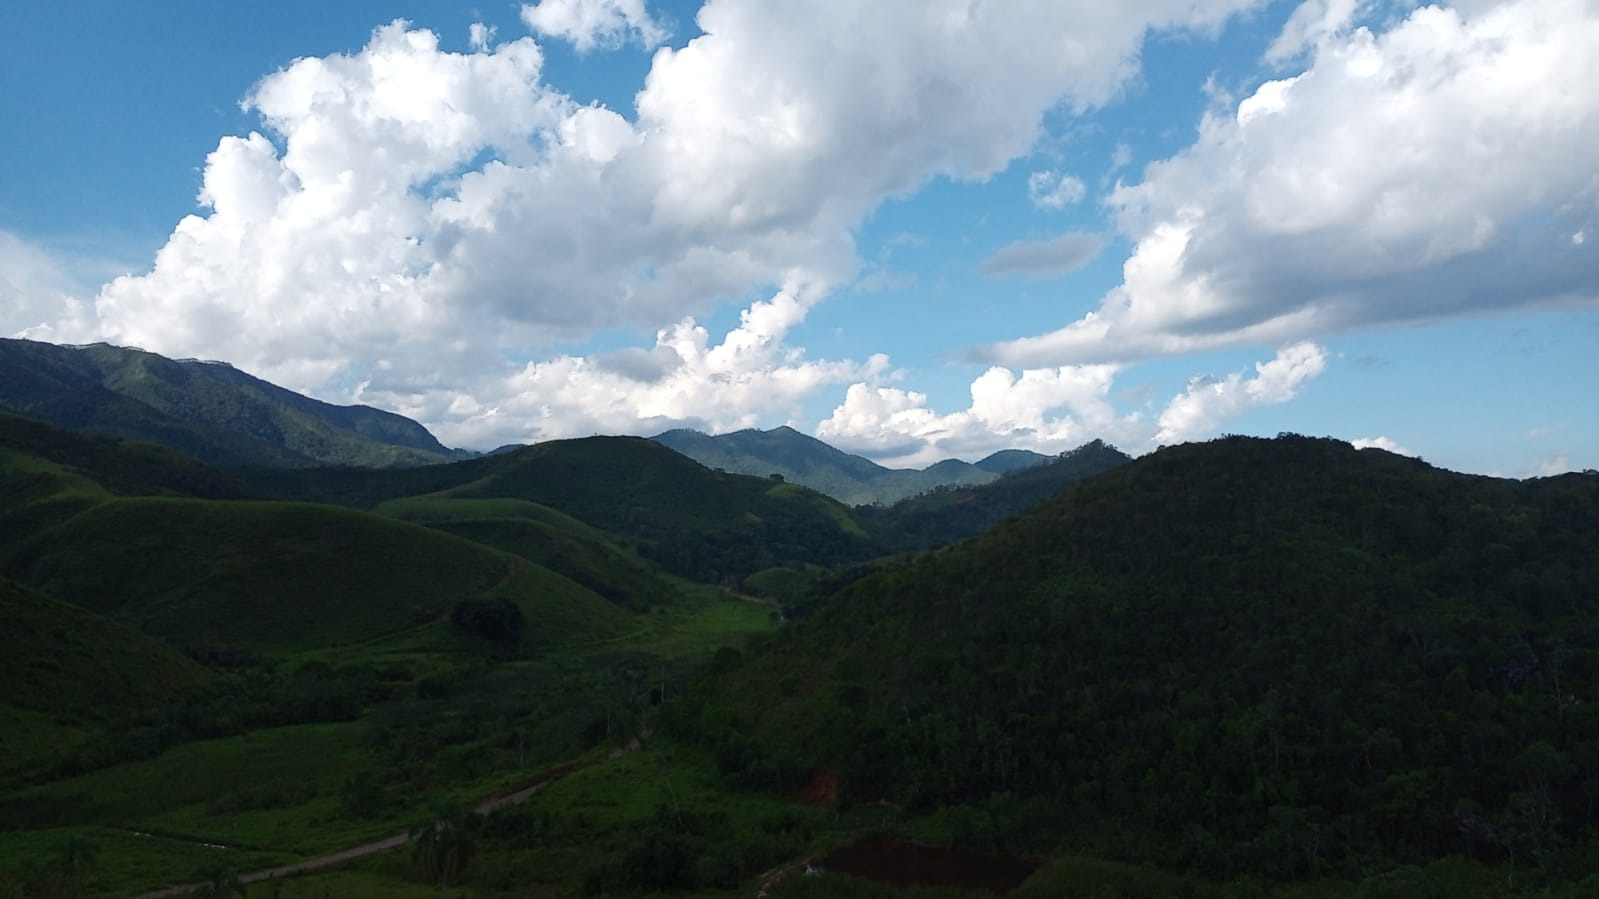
(848,478)
(1282,657)
(208,410)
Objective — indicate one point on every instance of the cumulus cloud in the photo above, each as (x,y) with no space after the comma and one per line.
(1045,258)
(684,381)
(1046,410)
(1382,443)
(1052,190)
(420,222)
(40,293)
(1209,403)
(1433,170)
(1053,410)
(590,24)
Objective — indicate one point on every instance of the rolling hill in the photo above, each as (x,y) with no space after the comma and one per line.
(848,478)
(209,410)
(117,529)
(1282,658)
(701,524)
(948,514)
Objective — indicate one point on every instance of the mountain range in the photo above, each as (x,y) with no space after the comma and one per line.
(1278,668)
(209,410)
(848,478)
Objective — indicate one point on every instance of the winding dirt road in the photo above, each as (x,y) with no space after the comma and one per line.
(515,793)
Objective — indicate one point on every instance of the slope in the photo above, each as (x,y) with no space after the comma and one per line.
(67,672)
(265,576)
(805,460)
(948,514)
(1284,658)
(208,410)
(698,523)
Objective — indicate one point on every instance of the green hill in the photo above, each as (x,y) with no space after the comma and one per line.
(847,478)
(540,534)
(208,410)
(1282,658)
(105,525)
(68,672)
(702,524)
(948,514)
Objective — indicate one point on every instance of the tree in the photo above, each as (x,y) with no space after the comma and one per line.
(218,882)
(442,844)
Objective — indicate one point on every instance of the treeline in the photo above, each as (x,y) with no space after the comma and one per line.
(1270,657)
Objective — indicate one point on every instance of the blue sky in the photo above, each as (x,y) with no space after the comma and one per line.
(917,229)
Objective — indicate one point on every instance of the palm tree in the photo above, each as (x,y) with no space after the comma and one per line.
(443,843)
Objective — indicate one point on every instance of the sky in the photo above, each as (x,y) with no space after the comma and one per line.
(917,229)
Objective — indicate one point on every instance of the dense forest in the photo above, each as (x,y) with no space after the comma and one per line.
(1273,668)
(1272,657)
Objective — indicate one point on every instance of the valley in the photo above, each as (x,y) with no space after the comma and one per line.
(1242,668)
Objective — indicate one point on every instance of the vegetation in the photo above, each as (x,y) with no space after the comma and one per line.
(950,514)
(1280,658)
(847,478)
(208,410)
(1249,668)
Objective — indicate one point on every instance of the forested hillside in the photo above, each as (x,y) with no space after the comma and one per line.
(1274,657)
(209,410)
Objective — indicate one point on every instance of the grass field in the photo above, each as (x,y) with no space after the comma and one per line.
(468,726)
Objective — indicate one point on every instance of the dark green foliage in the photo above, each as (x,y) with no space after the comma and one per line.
(950,514)
(786,454)
(496,620)
(442,844)
(1286,658)
(208,410)
(705,525)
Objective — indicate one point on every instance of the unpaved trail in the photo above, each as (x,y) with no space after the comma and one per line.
(520,791)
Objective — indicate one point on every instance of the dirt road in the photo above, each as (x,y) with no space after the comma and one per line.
(511,795)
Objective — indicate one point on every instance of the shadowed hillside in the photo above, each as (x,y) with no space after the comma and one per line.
(208,410)
(692,521)
(848,478)
(1284,657)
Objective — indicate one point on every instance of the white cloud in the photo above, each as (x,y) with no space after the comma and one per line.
(1552,465)
(684,381)
(1434,170)
(590,24)
(1312,24)
(1045,258)
(1209,403)
(1382,443)
(1047,410)
(1053,190)
(1052,410)
(40,292)
(420,221)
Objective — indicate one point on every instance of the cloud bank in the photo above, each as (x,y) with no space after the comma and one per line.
(426,230)
(1442,168)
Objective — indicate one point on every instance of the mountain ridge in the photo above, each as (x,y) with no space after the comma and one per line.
(849,478)
(209,410)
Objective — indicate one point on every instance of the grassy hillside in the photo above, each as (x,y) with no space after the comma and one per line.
(698,523)
(68,672)
(547,537)
(275,576)
(1285,658)
(210,411)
